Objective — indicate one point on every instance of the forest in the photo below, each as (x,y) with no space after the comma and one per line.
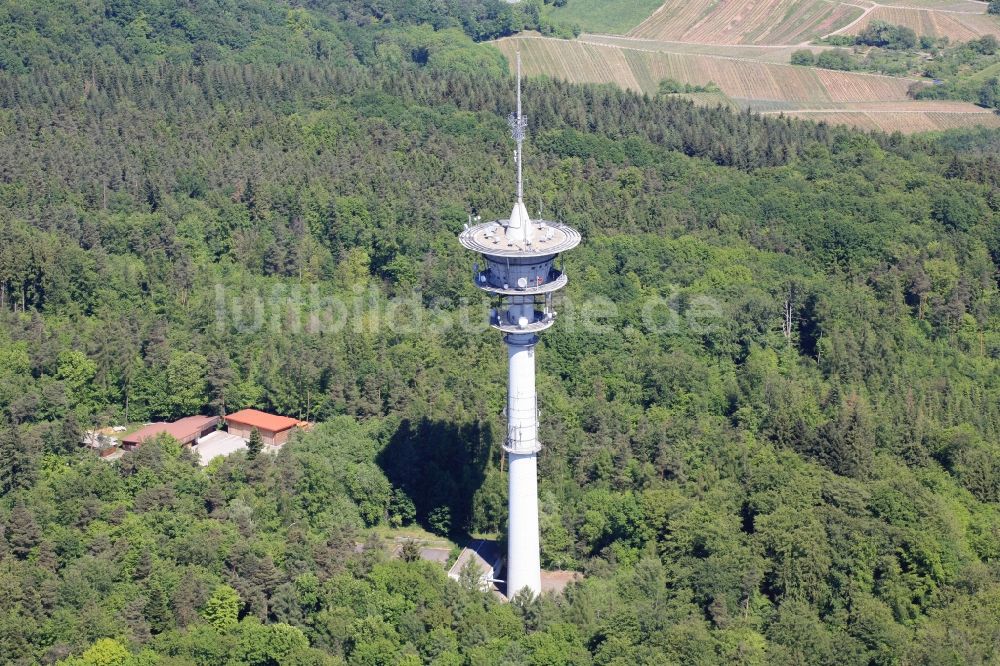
(770,425)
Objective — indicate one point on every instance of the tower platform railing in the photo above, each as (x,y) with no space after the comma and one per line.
(554,281)
(542,320)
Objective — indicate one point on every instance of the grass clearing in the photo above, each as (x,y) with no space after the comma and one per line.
(984,75)
(611,16)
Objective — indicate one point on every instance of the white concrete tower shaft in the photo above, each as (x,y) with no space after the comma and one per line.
(523,563)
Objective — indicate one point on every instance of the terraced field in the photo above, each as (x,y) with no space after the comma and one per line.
(815,94)
(779,55)
(973,6)
(744,47)
(958,26)
(740,79)
(893,106)
(906,118)
(747,21)
(785,22)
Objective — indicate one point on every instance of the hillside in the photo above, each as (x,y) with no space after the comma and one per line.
(603,16)
(746,21)
(741,47)
(867,101)
(959,25)
(769,416)
(583,61)
(784,22)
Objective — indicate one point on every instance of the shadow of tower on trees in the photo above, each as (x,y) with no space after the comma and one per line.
(440,466)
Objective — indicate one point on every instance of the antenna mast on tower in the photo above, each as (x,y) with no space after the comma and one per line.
(518,128)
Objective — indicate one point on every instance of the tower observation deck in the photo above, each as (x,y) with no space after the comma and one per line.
(519,271)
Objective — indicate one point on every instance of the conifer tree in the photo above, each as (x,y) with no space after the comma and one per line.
(23,532)
(255,444)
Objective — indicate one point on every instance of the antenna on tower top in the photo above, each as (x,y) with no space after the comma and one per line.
(518,126)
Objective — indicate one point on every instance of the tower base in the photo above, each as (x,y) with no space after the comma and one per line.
(523,565)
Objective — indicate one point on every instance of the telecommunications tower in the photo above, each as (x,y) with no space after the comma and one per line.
(519,273)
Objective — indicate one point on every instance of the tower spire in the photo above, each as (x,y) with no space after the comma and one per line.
(519,136)
(519,220)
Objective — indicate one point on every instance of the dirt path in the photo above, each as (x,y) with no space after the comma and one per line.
(598,35)
(933,10)
(853,23)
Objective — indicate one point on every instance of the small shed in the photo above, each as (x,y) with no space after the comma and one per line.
(485,557)
(101,442)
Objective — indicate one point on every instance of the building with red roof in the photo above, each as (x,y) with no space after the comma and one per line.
(274,430)
(186,431)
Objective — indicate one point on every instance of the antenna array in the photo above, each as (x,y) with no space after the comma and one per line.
(518,129)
